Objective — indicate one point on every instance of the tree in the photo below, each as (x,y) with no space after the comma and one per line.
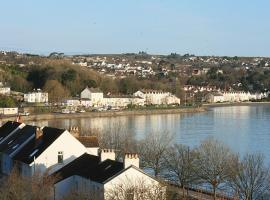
(251,178)
(7,102)
(180,164)
(108,85)
(39,76)
(18,187)
(141,189)
(153,150)
(69,75)
(18,83)
(128,85)
(56,91)
(212,161)
(117,138)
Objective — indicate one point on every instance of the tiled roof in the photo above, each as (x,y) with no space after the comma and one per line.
(89,141)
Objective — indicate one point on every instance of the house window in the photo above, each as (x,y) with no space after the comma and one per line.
(60,157)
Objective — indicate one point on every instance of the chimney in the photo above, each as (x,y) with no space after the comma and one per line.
(18,118)
(131,159)
(107,154)
(74,131)
(39,134)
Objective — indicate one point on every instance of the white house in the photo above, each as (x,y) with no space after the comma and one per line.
(94,94)
(37,96)
(5,90)
(72,102)
(9,111)
(41,149)
(214,98)
(155,97)
(98,178)
(236,96)
(122,101)
(86,102)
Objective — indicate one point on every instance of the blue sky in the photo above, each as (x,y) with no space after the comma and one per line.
(202,27)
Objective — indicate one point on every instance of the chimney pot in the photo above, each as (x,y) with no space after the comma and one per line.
(107,154)
(131,159)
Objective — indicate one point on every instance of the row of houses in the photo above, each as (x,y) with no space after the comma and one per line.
(234,97)
(76,163)
(95,98)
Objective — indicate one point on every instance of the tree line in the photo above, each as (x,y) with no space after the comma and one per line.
(62,79)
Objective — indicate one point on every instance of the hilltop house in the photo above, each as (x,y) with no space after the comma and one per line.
(37,96)
(155,97)
(37,149)
(94,94)
(102,177)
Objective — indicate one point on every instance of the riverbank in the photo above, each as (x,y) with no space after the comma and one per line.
(52,116)
(227,104)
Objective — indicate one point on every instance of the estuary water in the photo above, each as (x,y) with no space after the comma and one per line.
(242,128)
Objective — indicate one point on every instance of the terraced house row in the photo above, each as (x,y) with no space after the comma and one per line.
(77,161)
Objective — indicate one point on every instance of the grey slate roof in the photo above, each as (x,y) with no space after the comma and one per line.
(22,145)
(90,167)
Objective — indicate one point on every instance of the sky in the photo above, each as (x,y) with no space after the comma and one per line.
(200,27)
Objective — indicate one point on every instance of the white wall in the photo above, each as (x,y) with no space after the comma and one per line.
(5,90)
(81,185)
(86,94)
(66,143)
(93,150)
(9,111)
(130,177)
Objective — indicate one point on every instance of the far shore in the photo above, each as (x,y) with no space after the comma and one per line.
(225,104)
(203,108)
(52,116)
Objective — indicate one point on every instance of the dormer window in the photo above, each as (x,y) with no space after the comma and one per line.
(60,157)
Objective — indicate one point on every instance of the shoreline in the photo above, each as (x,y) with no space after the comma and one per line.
(52,116)
(228,104)
(203,108)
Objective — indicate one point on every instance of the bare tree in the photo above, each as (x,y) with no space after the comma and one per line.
(18,187)
(251,178)
(128,190)
(117,138)
(212,161)
(153,150)
(180,164)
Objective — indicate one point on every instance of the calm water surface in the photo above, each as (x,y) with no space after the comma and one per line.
(243,128)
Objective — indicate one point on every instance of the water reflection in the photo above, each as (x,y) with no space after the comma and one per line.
(243,128)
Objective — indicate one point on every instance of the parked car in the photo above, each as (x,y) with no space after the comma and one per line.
(65,111)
